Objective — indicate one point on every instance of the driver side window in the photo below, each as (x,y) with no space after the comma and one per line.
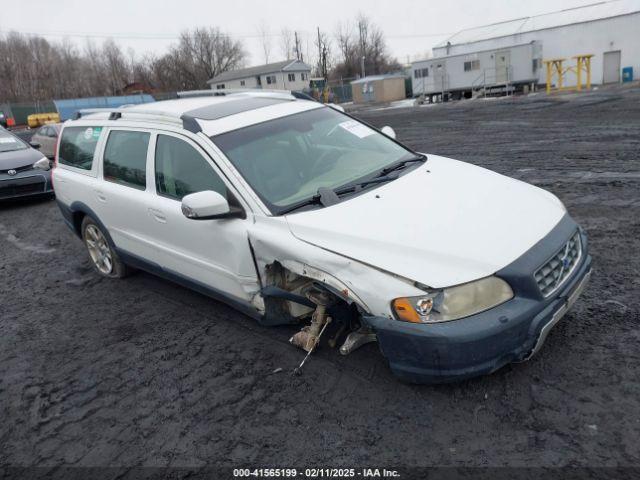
(181,170)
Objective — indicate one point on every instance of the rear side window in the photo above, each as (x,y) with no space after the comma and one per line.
(181,170)
(125,158)
(77,146)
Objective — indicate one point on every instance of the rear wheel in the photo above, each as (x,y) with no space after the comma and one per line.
(105,260)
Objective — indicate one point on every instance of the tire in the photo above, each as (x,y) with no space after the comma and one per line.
(103,257)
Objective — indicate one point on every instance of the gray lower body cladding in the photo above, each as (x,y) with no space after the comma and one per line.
(483,343)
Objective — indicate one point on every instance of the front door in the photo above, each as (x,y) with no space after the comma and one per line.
(503,62)
(214,253)
(611,67)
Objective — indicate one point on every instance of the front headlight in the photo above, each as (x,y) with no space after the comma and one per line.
(42,164)
(454,302)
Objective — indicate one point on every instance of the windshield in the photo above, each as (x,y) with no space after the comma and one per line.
(288,159)
(9,143)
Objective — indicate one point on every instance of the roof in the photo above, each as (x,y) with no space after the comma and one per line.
(286,65)
(586,13)
(373,78)
(213,114)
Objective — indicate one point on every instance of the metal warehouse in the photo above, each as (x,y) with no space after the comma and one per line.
(508,56)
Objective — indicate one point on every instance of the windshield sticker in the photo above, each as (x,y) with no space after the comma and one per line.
(357,129)
(8,140)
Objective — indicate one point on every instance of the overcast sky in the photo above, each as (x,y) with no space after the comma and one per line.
(411,27)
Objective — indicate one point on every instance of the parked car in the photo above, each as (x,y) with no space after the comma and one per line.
(47,137)
(295,212)
(24,171)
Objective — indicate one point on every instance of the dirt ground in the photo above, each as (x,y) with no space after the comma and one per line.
(142,372)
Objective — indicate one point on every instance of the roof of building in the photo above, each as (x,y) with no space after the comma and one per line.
(586,13)
(286,65)
(373,78)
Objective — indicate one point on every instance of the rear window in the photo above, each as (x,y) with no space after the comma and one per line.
(77,146)
(125,158)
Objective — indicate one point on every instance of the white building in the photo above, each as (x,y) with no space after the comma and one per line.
(286,75)
(509,55)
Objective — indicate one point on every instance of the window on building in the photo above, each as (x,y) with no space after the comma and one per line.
(271,79)
(125,158)
(78,145)
(421,72)
(471,65)
(304,77)
(242,83)
(535,64)
(182,170)
(292,77)
(220,86)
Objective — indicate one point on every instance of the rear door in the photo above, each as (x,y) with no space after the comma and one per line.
(122,194)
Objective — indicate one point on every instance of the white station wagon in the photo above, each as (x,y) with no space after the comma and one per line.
(296,213)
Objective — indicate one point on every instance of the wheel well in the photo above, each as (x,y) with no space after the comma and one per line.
(77,222)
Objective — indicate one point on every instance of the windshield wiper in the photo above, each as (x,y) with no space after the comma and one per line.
(325,197)
(401,164)
(355,187)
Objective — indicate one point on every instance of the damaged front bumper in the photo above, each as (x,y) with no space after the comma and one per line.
(483,343)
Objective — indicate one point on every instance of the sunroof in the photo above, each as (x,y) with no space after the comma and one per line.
(224,109)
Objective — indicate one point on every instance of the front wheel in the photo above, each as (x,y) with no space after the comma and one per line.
(105,260)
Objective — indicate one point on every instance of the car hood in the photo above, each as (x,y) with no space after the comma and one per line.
(19,158)
(445,223)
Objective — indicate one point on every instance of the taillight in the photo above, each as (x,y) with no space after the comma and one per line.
(55,159)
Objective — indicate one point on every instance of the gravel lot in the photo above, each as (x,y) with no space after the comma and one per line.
(142,372)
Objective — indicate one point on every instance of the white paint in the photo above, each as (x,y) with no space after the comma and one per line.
(445,223)
(452,224)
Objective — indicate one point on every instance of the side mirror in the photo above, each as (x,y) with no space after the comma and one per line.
(35,145)
(388,131)
(209,205)
(42,164)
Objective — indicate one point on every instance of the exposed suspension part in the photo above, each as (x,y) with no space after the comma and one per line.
(309,336)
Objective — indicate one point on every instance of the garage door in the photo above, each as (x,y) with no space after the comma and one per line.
(611,67)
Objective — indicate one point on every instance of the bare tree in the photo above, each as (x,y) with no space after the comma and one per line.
(33,69)
(287,43)
(364,39)
(264,36)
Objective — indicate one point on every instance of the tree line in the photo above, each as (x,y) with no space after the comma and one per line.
(33,68)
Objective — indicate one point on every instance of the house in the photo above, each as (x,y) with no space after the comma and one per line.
(510,55)
(286,75)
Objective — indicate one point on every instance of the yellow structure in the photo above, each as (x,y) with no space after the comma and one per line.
(555,69)
(39,119)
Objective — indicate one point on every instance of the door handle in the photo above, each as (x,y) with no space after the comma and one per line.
(158,215)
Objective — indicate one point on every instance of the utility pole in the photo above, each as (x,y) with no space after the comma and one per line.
(362,42)
(319,51)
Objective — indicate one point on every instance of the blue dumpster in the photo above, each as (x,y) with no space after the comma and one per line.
(627,74)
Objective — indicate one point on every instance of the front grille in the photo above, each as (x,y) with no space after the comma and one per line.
(19,169)
(26,186)
(553,273)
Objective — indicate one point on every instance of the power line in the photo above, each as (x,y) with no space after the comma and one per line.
(160,36)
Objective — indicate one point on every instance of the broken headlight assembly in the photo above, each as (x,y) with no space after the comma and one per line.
(454,302)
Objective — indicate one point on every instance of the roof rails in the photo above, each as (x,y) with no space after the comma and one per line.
(116,113)
(187,122)
(253,92)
